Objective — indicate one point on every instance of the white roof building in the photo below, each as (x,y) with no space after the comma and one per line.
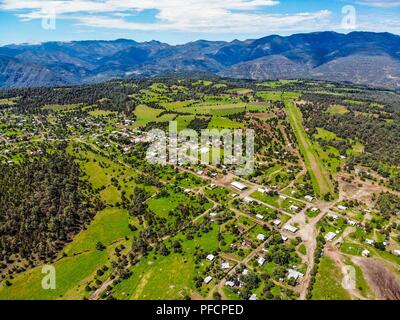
(342,208)
(294,274)
(259,216)
(261,261)
(210,257)
(238,185)
(261,237)
(396,252)
(225,266)
(366,253)
(208,280)
(277,222)
(351,222)
(294,208)
(247,200)
(334,216)
(284,238)
(230,284)
(253,297)
(290,228)
(309,198)
(370,241)
(330,236)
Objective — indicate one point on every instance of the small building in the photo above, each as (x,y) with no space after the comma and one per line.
(238,185)
(277,222)
(294,274)
(284,238)
(334,216)
(261,261)
(351,222)
(294,208)
(210,257)
(253,297)
(342,208)
(230,284)
(261,237)
(248,200)
(259,216)
(365,253)
(396,252)
(330,236)
(213,186)
(245,272)
(370,242)
(225,266)
(208,280)
(290,228)
(283,197)
(309,198)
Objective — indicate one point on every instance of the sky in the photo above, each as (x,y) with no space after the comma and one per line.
(182,21)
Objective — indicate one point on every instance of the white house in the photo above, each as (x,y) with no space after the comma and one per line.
(366,253)
(294,208)
(396,252)
(208,280)
(284,238)
(230,284)
(253,297)
(247,200)
(210,257)
(259,216)
(277,222)
(342,208)
(309,198)
(370,242)
(294,274)
(261,237)
(225,266)
(261,261)
(351,222)
(290,228)
(238,185)
(334,216)
(330,236)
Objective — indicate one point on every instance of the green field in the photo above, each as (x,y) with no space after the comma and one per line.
(319,175)
(328,282)
(224,123)
(337,110)
(166,277)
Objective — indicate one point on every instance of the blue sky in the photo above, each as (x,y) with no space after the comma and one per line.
(180,21)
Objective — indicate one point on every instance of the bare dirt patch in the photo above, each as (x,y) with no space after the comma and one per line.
(385,283)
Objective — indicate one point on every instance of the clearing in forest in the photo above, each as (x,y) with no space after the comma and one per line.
(319,176)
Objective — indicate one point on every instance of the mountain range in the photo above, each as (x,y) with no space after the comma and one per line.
(359,57)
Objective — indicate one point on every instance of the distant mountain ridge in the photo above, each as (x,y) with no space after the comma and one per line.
(359,57)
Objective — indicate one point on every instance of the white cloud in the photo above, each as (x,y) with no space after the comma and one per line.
(239,16)
(380,3)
